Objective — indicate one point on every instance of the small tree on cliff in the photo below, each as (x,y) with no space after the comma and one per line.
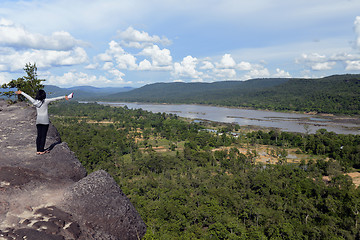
(29,83)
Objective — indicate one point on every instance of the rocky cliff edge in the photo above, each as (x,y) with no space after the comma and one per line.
(50,196)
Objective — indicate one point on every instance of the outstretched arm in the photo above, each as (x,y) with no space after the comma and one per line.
(55,98)
(67,97)
(25,95)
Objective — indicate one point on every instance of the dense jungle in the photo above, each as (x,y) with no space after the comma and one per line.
(210,180)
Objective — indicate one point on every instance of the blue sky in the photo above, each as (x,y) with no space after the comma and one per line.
(133,43)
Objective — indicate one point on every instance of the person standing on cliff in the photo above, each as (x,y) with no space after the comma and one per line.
(42,119)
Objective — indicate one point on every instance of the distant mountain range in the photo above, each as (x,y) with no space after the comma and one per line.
(85,92)
(193,92)
(338,94)
(81,92)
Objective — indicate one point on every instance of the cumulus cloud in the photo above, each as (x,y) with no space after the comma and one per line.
(71,79)
(323,66)
(281,74)
(159,57)
(104,57)
(207,65)
(313,57)
(187,68)
(18,46)
(115,53)
(107,66)
(12,35)
(352,65)
(16,60)
(245,66)
(136,39)
(226,62)
(227,69)
(117,74)
(319,62)
(92,66)
(145,65)
(115,49)
(257,73)
(126,61)
(83,79)
(227,74)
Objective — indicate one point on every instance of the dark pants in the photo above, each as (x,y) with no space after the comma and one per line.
(41,136)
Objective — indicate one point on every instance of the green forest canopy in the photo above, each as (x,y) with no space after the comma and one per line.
(193,191)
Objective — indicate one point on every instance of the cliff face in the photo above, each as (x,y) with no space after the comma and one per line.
(50,196)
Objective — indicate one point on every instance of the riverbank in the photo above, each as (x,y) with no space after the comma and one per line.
(284,121)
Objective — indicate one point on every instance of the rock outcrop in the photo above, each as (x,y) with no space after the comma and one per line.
(51,196)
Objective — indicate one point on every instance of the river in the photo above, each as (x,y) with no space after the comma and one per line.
(290,122)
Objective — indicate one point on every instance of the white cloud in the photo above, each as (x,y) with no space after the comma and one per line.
(15,36)
(245,66)
(92,66)
(19,46)
(319,62)
(118,75)
(187,68)
(77,56)
(344,56)
(74,78)
(5,77)
(115,53)
(136,39)
(313,57)
(104,57)
(126,61)
(207,65)
(115,49)
(281,74)
(323,66)
(352,65)
(145,65)
(257,73)
(225,74)
(226,62)
(159,57)
(16,60)
(107,66)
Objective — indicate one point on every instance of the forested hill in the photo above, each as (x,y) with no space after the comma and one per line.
(338,94)
(195,92)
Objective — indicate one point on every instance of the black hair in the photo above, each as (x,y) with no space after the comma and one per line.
(40,95)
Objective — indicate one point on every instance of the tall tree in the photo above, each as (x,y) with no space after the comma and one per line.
(29,83)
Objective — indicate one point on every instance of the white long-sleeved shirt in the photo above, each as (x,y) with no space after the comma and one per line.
(41,108)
